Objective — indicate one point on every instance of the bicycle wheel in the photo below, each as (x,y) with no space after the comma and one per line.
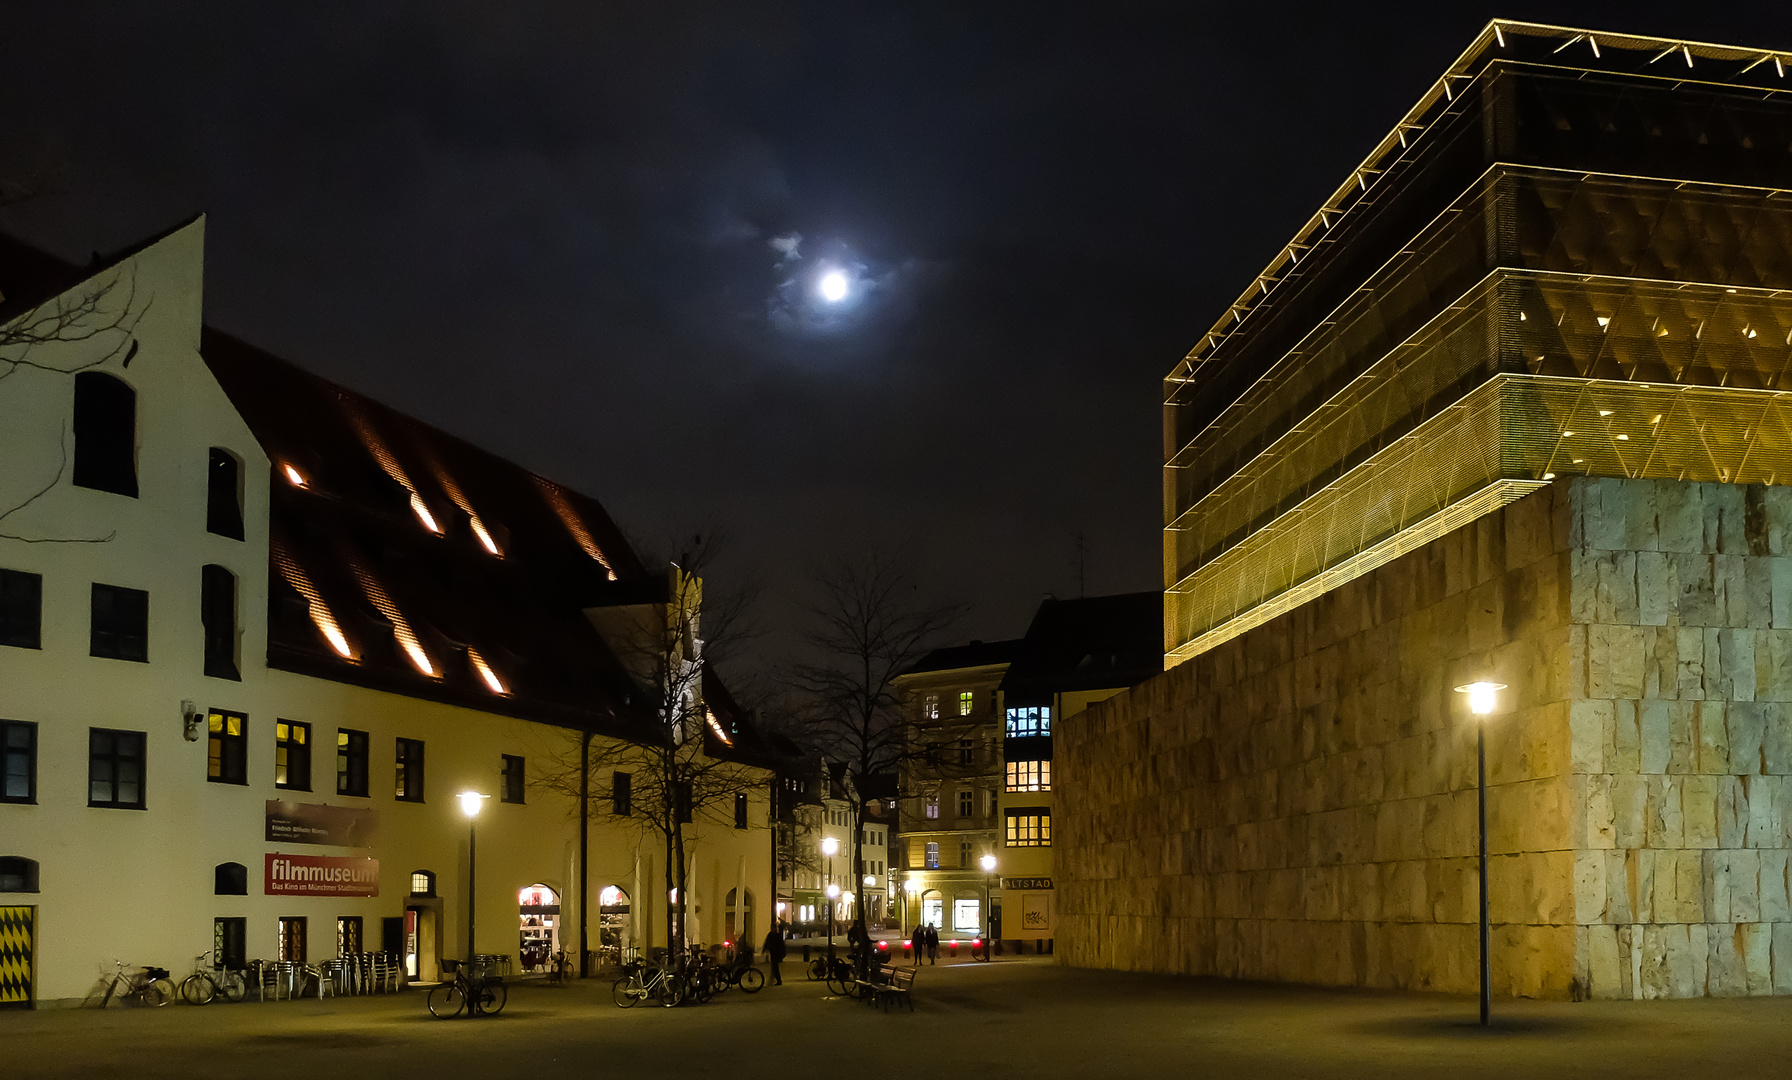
(672,992)
(818,969)
(232,987)
(839,984)
(157,992)
(750,981)
(197,989)
(492,997)
(623,992)
(563,972)
(445,1001)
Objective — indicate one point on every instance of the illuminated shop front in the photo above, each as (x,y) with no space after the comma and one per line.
(538,908)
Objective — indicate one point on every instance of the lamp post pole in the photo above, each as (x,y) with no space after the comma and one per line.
(829,846)
(1481,786)
(989,869)
(470,803)
(1481,698)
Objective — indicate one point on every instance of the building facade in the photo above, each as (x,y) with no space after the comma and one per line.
(1508,407)
(256,633)
(950,806)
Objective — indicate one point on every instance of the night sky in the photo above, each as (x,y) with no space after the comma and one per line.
(590,236)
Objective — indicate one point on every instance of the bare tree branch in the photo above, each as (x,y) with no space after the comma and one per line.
(869,626)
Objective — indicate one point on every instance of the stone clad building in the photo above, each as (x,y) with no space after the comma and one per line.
(1510,406)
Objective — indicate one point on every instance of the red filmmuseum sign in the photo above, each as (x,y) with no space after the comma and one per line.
(322,875)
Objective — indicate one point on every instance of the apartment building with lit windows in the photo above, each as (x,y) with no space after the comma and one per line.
(982,720)
(258,630)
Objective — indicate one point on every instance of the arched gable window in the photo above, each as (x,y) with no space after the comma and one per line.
(224,494)
(230,879)
(105,434)
(423,883)
(18,874)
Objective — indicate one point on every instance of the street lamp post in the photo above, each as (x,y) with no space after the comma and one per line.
(470,804)
(989,869)
(829,848)
(1481,698)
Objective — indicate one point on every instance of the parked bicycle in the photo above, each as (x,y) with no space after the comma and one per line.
(209,983)
(476,994)
(835,971)
(640,982)
(145,986)
(560,969)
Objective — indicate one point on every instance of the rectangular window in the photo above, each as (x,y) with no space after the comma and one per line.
(966,802)
(351,762)
(292,939)
(967,753)
(930,807)
(217,615)
(966,702)
(513,778)
(622,796)
(348,935)
(1029,826)
(933,856)
(292,755)
(226,748)
(230,943)
(930,707)
(21,609)
(120,626)
(115,768)
(223,495)
(409,785)
(1029,776)
(740,810)
(964,854)
(1030,720)
(18,761)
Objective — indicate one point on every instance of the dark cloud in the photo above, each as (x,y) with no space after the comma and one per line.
(550,227)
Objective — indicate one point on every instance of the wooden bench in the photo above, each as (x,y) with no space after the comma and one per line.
(890,984)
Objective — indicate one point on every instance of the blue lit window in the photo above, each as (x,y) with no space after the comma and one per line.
(1030,720)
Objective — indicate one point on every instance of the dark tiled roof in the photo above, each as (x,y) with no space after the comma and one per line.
(1092,643)
(348,535)
(976,654)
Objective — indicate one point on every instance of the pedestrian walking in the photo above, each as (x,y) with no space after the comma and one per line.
(917,942)
(774,952)
(933,944)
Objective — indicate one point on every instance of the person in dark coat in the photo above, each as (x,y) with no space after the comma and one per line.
(858,939)
(917,942)
(933,944)
(774,952)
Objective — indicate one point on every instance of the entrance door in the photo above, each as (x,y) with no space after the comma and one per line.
(933,912)
(18,950)
(615,933)
(538,907)
(420,949)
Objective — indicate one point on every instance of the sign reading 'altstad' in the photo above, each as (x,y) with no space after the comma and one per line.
(315,823)
(322,875)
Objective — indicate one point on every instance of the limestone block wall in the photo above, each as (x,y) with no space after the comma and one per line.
(1298,804)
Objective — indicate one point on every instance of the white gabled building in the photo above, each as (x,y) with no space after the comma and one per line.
(257,630)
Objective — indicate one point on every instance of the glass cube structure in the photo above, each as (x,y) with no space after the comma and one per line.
(1574,256)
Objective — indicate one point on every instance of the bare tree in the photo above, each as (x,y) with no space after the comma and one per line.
(870,624)
(77,330)
(681,767)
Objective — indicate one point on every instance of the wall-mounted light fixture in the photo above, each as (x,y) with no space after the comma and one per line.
(189,718)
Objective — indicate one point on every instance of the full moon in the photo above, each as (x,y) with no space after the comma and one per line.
(833,286)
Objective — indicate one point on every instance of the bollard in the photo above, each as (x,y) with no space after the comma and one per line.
(907,950)
(954,946)
(805,954)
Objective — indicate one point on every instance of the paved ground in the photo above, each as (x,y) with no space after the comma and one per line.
(1019,1019)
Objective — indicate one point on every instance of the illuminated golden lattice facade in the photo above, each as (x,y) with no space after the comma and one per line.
(1573,257)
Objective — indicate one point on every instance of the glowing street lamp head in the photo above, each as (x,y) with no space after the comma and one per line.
(989,864)
(833,891)
(911,886)
(471,801)
(834,286)
(1481,696)
(830,846)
